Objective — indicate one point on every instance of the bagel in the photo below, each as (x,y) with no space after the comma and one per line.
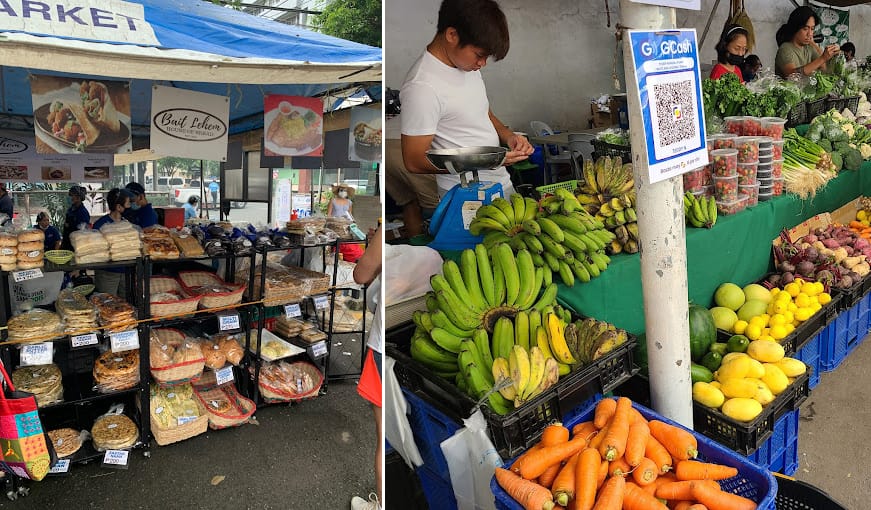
(31,234)
(30,246)
(23,264)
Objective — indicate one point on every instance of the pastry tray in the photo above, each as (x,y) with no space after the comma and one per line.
(266,337)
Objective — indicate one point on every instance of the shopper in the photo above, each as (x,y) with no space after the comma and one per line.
(752,66)
(6,208)
(111,281)
(849,51)
(444,101)
(190,208)
(141,212)
(77,216)
(341,202)
(730,52)
(213,188)
(52,236)
(368,272)
(797,52)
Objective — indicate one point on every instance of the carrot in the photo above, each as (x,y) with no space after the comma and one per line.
(614,444)
(682,505)
(645,472)
(537,463)
(682,489)
(637,499)
(586,429)
(697,506)
(563,488)
(603,472)
(530,495)
(660,479)
(636,442)
(658,454)
(587,473)
(715,499)
(611,494)
(604,410)
(695,470)
(619,467)
(554,433)
(598,438)
(546,479)
(681,444)
(635,416)
(515,466)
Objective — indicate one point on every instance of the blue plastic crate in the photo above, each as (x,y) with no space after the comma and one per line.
(780,452)
(753,481)
(843,338)
(430,427)
(810,355)
(439,494)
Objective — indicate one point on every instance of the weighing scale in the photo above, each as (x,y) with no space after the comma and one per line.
(450,221)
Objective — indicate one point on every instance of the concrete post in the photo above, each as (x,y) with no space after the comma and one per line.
(662,246)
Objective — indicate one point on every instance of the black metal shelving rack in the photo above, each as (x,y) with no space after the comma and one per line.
(82,404)
(330,333)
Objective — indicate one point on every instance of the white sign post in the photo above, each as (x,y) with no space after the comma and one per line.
(189,124)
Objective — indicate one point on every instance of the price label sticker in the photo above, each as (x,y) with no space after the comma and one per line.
(292,310)
(27,274)
(116,458)
(319,350)
(224,375)
(84,340)
(322,302)
(182,420)
(229,322)
(36,354)
(62,466)
(124,340)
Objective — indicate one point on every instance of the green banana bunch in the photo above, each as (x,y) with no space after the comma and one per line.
(700,212)
(503,216)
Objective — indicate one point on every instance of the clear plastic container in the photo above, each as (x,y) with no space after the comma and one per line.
(721,141)
(773,127)
(751,192)
(724,163)
(731,206)
(765,143)
(777,187)
(764,197)
(748,149)
(746,174)
(697,179)
(777,168)
(751,126)
(777,149)
(766,190)
(763,175)
(726,188)
(734,125)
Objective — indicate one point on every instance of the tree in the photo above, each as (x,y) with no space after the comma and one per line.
(354,20)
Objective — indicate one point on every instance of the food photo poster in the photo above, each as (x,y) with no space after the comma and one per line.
(80,115)
(293,126)
(364,141)
(19,162)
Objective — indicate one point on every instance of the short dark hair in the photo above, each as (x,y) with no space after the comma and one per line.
(752,61)
(480,23)
(78,191)
(797,19)
(848,47)
(42,216)
(730,32)
(193,199)
(117,197)
(135,187)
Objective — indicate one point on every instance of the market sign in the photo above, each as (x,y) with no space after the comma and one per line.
(19,162)
(678,4)
(189,124)
(293,126)
(364,140)
(834,24)
(669,92)
(98,20)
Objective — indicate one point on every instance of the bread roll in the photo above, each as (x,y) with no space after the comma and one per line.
(31,246)
(213,354)
(28,265)
(8,259)
(31,234)
(30,256)
(8,239)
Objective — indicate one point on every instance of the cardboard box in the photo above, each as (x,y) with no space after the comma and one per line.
(847,212)
(821,220)
(602,119)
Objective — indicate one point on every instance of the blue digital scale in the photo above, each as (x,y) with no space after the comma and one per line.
(449,225)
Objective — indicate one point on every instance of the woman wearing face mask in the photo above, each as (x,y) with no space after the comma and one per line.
(730,52)
(111,280)
(797,52)
(52,236)
(77,216)
(341,202)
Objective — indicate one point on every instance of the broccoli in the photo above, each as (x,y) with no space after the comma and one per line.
(825,144)
(838,161)
(852,158)
(841,147)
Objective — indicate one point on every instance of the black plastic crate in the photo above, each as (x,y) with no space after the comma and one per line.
(746,437)
(849,297)
(602,148)
(797,115)
(842,103)
(816,108)
(522,427)
(794,494)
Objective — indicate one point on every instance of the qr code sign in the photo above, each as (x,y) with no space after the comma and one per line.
(675,112)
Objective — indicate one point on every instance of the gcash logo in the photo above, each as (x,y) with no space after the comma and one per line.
(646,49)
(667,48)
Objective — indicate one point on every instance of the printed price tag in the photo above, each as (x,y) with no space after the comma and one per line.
(185,419)
(224,375)
(124,340)
(319,350)
(322,302)
(62,466)
(229,322)
(292,310)
(116,458)
(84,340)
(36,354)
(27,274)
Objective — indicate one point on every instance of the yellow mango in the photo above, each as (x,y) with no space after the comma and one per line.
(791,367)
(756,369)
(774,378)
(743,388)
(742,409)
(714,384)
(733,356)
(707,395)
(763,393)
(766,352)
(735,368)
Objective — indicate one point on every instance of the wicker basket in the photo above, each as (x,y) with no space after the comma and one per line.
(188,304)
(182,372)
(242,408)
(191,279)
(190,429)
(272,395)
(59,257)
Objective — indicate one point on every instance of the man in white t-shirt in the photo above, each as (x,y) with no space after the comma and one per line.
(444,101)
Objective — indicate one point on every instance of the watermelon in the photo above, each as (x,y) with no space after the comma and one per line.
(703,333)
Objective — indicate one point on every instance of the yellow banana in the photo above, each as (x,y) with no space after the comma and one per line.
(536,372)
(558,345)
(501,372)
(518,363)
(541,340)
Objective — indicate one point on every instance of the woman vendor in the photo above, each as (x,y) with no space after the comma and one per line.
(52,236)
(730,52)
(797,52)
(77,216)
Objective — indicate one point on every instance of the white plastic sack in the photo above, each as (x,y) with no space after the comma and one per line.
(472,459)
(407,270)
(39,291)
(397,431)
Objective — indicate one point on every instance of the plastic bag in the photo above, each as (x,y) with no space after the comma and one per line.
(471,459)
(38,291)
(407,270)
(397,431)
